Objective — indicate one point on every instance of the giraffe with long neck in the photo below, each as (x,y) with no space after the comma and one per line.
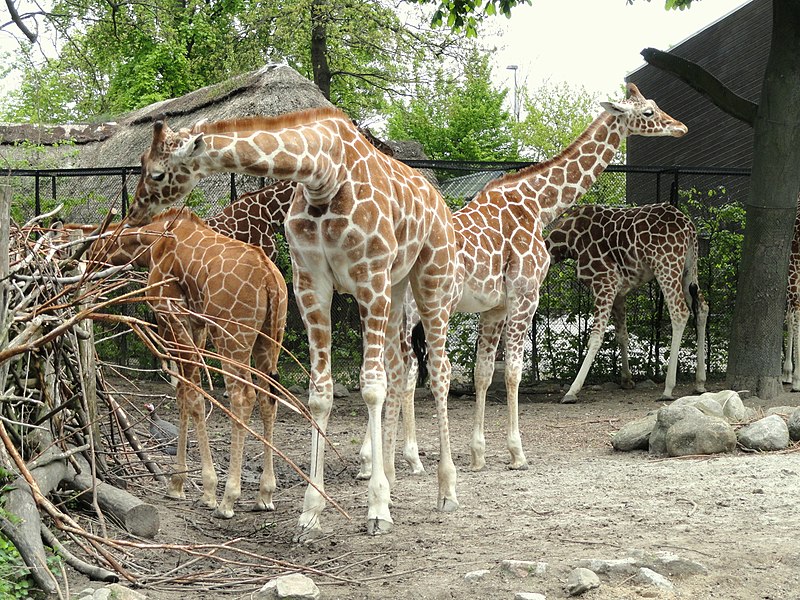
(209,284)
(503,254)
(791,356)
(618,249)
(361,222)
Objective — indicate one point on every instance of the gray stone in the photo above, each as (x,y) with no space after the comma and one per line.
(706,435)
(120,592)
(650,577)
(666,418)
(781,411)
(647,384)
(523,568)
(289,587)
(340,391)
(581,580)
(618,566)
(672,565)
(529,596)
(794,425)
(474,576)
(769,433)
(634,435)
(705,403)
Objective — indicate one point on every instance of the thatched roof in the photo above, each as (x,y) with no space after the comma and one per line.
(271,90)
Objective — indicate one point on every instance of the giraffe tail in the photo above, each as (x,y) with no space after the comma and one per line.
(420,349)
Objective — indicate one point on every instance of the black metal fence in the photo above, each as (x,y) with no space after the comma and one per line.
(557,341)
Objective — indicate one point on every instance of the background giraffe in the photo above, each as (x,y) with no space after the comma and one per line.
(504,256)
(361,222)
(791,357)
(233,292)
(616,250)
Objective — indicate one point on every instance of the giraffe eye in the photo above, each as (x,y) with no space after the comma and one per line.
(158,176)
(648,112)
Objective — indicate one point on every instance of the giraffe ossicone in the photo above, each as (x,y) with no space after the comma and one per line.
(360,222)
(618,249)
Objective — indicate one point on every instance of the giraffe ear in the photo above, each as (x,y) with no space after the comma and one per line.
(633,92)
(159,134)
(615,108)
(191,146)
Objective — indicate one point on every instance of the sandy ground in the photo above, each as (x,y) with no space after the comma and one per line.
(736,515)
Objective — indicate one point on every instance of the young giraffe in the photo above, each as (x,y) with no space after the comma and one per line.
(361,222)
(242,298)
(618,249)
(791,358)
(504,255)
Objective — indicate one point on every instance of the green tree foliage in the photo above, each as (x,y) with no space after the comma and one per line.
(458,117)
(118,57)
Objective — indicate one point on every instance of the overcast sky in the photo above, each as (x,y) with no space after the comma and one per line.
(593,43)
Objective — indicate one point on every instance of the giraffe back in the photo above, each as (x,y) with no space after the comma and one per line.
(637,242)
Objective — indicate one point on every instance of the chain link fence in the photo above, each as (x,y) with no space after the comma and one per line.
(713,198)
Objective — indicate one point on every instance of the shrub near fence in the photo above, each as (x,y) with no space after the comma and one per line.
(558,339)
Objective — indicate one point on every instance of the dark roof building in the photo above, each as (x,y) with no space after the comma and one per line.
(734,49)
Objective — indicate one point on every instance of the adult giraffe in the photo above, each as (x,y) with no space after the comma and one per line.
(617,249)
(211,284)
(504,256)
(361,222)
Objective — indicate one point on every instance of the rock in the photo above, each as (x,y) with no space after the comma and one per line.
(666,418)
(340,391)
(581,580)
(523,568)
(769,433)
(794,425)
(706,435)
(670,564)
(289,587)
(781,411)
(647,384)
(704,403)
(529,596)
(619,566)
(634,435)
(474,576)
(650,577)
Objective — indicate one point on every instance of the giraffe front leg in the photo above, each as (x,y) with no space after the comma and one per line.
(620,321)
(178,479)
(679,321)
(700,371)
(788,360)
(515,339)
(490,327)
(410,447)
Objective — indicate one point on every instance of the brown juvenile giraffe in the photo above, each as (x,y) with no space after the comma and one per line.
(361,222)
(504,256)
(791,358)
(618,249)
(217,285)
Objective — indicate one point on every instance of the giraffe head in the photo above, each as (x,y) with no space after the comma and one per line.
(643,117)
(169,172)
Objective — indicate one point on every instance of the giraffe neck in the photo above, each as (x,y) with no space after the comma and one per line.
(127,245)
(555,185)
(307,157)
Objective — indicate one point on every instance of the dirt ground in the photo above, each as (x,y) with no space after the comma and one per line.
(736,515)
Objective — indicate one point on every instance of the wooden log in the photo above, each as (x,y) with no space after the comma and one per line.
(128,511)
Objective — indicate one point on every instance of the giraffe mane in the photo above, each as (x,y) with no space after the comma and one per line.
(176,213)
(255,123)
(546,164)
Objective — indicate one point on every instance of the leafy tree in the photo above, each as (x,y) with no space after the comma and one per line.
(117,57)
(458,117)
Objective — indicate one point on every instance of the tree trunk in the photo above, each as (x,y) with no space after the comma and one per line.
(319,46)
(754,361)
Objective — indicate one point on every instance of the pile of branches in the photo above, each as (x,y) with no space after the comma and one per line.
(67,438)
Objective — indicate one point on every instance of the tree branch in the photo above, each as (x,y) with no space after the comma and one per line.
(12,10)
(704,83)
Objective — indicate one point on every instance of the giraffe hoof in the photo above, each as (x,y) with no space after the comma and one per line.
(448,505)
(665,398)
(363,474)
(221,513)
(261,506)
(627,385)
(306,535)
(569,399)
(523,466)
(378,526)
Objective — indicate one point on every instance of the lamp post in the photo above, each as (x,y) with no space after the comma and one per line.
(516,107)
